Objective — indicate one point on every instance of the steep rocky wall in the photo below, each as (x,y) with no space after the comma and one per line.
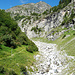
(47,23)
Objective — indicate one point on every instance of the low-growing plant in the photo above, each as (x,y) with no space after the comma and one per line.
(63,36)
(12,72)
(73,33)
(2,70)
(29,49)
(23,69)
(36,29)
(34,14)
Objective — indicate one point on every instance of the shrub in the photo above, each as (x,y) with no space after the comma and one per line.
(29,49)
(63,36)
(34,14)
(73,33)
(23,69)
(28,17)
(23,39)
(3,30)
(17,31)
(36,29)
(2,70)
(32,47)
(10,33)
(12,72)
(0,46)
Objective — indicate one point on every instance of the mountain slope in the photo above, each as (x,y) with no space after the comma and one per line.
(46,20)
(54,25)
(27,9)
(14,47)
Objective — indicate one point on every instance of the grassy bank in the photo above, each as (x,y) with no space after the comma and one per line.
(14,59)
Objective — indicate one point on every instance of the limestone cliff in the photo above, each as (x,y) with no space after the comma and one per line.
(41,16)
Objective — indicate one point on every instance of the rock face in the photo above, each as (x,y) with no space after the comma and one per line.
(50,22)
(50,61)
(31,15)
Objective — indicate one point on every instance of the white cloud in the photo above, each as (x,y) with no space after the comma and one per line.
(22,1)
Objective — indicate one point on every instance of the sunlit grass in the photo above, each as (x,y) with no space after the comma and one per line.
(19,57)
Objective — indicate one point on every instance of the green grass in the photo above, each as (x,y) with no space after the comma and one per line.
(63,44)
(19,57)
(67,44)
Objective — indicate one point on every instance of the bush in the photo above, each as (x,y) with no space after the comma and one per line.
(34,14)
(32,47)
(10,33)
(29,49)
(73,33)
(67,19)
(3,30)
(36,29)
(23,39)
(0,46)
(63,36)
(12,72)
(23,69)
(2,70)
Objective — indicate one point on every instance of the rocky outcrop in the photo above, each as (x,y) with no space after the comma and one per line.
(31,15)
(50,22)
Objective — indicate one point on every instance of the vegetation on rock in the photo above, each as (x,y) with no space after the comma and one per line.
(36,29)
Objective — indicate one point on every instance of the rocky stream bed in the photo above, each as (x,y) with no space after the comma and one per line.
(50,61)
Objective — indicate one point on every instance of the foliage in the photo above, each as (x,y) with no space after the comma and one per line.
(34,14)
(12,72)
(36,29)
(23,69)
(29,49)
(62,4)
(45,12)
(64,1)
(2,70)
(73,33)
(18,17)
(63,36)
(10,33)
(68,19)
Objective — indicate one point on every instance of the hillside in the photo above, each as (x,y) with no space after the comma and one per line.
(42,25)
(40,22)
(27,14)
(12,43)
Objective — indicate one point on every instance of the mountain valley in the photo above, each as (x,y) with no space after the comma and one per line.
(40,39)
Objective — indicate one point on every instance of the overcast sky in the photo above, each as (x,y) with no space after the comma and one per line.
(6,4)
